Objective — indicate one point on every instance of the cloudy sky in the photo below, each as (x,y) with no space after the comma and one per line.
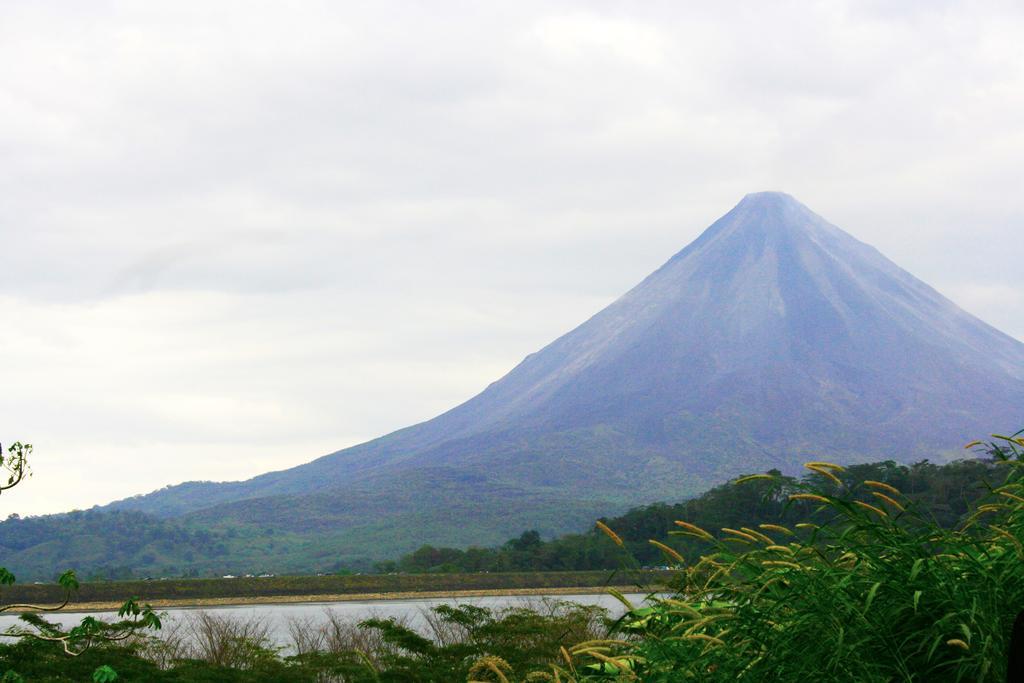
(239,235)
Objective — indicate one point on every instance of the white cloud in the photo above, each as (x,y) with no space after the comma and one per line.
(240,235)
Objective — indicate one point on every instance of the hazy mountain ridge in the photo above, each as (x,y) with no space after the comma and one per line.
(773,337)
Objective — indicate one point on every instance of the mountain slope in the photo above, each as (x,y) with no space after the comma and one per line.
(775,335)
(286,533)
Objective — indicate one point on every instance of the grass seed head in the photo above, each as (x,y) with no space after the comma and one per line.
(882,485)
(887,499)
(694,529)
(823,471)
(753,477)
(871,508)
(826,465)
(741,534)
(810,496)
(609,533)
(781,563)
(493,664)
(767,540)
(671,552)
(705,637)
(780,549)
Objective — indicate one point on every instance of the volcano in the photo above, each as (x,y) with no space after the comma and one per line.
(773,338)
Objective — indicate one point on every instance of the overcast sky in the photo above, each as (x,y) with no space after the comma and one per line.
(240,235)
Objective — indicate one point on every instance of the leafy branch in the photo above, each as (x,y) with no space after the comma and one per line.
(132,618)
(14,464)
(90,631)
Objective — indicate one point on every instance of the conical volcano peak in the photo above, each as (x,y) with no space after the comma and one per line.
(776,210)
(770,217)
(769,198)
(765,220)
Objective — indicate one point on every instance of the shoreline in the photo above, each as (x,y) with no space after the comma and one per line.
(242,601)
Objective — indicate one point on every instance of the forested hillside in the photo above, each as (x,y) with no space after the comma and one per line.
(121,544)
(946,491)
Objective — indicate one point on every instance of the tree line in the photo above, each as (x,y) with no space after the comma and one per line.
(946,490)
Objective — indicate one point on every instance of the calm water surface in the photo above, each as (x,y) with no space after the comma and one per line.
(279,616)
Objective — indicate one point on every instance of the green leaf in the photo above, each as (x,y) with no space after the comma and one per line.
(68,581)
(917,599)
(6,578)
(130,607)
(871,595)
(621,598)
(935,644)
(150,619)
(104,674)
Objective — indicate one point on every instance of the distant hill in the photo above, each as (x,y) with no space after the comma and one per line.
(773,337)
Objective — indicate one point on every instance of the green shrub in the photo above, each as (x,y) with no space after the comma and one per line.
(874,589)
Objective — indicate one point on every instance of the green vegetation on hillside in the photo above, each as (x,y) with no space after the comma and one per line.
(125,544)
(279,534)
(946,491)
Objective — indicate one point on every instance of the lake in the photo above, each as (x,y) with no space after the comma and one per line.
(279,616)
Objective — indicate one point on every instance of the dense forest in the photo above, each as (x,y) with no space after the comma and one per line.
(117,544)
(946,490)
